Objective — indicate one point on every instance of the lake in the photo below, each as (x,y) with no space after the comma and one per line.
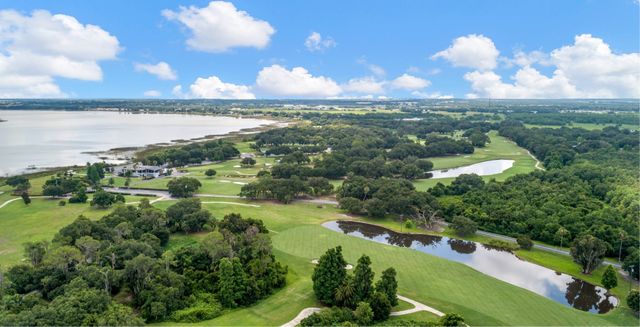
(484,168)
(500,264)
(65,138)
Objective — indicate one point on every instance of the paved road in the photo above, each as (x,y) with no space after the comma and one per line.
(417,306)
(164,195)
(306,312)
(538,246)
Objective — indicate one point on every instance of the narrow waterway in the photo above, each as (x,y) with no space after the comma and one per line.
(500,264)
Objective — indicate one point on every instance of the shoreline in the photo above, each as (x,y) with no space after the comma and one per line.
(129,154)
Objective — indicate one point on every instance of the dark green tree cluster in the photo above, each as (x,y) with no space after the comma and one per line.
(354,296)
(555,207)
(285,190)
(58,186)
(193,153)
(95,173)
(73,280)
(183,187)
(20,183)
(377,197)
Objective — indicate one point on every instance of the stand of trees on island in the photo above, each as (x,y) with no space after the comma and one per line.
(117,270)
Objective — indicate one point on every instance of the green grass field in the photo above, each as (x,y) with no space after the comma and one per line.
(298,238)
(228,181)
(38,221)
(499,148)
(445,285)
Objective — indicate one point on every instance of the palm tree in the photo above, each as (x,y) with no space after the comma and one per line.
(622,236)
(562,232)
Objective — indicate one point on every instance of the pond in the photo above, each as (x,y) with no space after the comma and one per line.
(499,264)
(484,168)
(63,138)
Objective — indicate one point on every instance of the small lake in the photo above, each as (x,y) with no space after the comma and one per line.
(64,138)
(484,168)
(499,264)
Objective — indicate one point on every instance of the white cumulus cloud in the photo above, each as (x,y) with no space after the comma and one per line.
(152,93)
(161,70)
(586,69)
(315,42)
(409,82)
(432,95)
(213,87)
(220,26)
(367,84)
(36,48)
(471,51)
(277,80)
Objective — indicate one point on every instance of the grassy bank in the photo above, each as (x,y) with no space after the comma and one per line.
(499,148)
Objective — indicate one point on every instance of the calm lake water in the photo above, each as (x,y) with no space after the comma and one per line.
(500,264)
(484,168)
(61,138)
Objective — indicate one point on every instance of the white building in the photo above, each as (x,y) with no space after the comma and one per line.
(140,171)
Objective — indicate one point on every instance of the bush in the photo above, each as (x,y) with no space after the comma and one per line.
(62,203)
(502,245)
(609,278)
(248,162)
(375,208)
(351,205)
(198,312)
(329,317)
(524,242)
(103,199)
(363,314)
(464,226)
(409,224)
(633,300)
(452,319)
(79,196)
(210,172)
(381,306)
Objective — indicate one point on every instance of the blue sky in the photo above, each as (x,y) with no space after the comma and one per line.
(387,49)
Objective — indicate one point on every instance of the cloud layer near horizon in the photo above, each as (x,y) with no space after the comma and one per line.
(39,48)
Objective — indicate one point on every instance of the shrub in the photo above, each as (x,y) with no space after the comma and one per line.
(375,208)
(633,300)
(502,245)
(198,312)
(524,242)
(381,306)
(452,319)
(464,226)
(609,278)
(363,314)
(351,205)
(62,203)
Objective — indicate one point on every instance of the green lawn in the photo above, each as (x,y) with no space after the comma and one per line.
(40,220)
(228,181)
(499,148)
(445,285)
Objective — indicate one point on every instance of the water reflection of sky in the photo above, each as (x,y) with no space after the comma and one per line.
(59,138)
(500,264)
(484,168)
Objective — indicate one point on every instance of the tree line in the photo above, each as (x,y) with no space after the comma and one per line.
(76,279)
